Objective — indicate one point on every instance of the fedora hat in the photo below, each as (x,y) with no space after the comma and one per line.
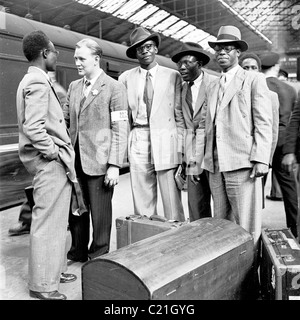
(193,49)
(137,37)
(229,34)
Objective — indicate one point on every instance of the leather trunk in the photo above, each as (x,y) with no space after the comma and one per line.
(134,228)
(280,266)
(208,259)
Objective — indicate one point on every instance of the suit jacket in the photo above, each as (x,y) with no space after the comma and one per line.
(292,138)
(166,119)
(195,126)
(43,135)
(243,123)
(287,99)
(101,124)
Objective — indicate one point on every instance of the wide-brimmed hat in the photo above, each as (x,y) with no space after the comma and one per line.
(137,37)
(230,34)
(193,49)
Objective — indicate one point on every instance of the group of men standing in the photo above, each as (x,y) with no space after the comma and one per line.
(221,129)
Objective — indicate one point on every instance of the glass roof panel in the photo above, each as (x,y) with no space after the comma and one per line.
(111,6)
(165,24)
(142,14)
(129,8)
(155,19)
(171,32)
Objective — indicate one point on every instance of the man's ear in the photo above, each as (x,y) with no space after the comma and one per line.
(44,53)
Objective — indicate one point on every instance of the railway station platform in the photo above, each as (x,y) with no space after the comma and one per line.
(14,250)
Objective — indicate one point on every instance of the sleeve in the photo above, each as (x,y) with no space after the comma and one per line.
(36,112)
(119,125)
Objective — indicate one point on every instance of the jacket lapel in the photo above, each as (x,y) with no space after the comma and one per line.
(78,95)
(133,91)
(159,89)
(213,95)
(234,86)
(95,90)
(201,95)
(185,108)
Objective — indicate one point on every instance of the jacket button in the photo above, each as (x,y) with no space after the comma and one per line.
(60,121)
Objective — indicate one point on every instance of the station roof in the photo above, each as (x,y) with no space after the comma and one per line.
(272,24)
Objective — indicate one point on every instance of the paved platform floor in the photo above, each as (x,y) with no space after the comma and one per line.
(14,250)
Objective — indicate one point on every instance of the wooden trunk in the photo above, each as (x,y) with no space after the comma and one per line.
(206,259)
(134,228)
(280,267)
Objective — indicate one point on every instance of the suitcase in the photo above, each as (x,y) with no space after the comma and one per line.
(280,265)
(134,228)
(207,259)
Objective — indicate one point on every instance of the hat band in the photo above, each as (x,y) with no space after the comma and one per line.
(227,37)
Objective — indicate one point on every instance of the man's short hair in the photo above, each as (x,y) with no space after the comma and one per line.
(91,44)
(250,55)
(33,43)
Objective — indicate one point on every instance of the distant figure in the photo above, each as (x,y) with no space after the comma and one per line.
(190,59)
(46,152)
(157,124)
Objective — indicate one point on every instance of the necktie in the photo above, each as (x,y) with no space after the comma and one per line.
(84,92)
(189,97)
(148,94)
(221,88)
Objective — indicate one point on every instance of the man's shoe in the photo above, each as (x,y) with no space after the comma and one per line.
(53,295)
(274,198)
(21,228)
(71,261)
(67,277)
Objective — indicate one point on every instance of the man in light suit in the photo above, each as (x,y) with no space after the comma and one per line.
(190,59)
(287,100)
(96,115)
(250,61)
(157,124)
(46,152)
(238,135)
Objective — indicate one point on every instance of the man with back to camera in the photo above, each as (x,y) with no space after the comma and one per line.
(157,124)
(96,114)
(287,99)
(46,152)
(190,59)
(238,135)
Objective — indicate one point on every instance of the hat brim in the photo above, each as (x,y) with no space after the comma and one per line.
(131,51)
(243,45)
(200,55)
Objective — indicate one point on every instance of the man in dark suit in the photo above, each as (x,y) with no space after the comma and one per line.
(190,59)
(287,98)
(96,114)
(291,149)
(46,152)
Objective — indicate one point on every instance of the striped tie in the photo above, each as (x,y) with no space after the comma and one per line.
(148,94)
(221,88)
(84,92)
(189,97)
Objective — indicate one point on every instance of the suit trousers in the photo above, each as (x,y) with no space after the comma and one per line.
(199,197)
(238,198)
(145,180)
(288,187)
(48,233)
(98,199)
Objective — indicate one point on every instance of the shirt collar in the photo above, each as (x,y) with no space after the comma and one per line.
(45,74)
(231,72)
(152,70)
(93,80)
(197,81)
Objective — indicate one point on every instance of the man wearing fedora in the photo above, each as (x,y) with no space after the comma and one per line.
(238,135)
(157,124)
(190,59)
(287,99)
